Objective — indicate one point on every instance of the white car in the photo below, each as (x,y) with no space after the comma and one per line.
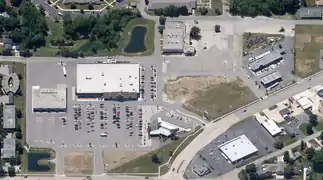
(60,13)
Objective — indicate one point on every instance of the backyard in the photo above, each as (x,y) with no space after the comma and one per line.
(308,42)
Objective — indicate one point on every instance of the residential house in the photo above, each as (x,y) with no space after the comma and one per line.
(9,116)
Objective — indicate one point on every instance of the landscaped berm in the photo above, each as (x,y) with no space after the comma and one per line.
(215,95)
(308,42)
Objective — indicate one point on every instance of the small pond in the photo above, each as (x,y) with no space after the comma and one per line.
(33,159)
(137,40)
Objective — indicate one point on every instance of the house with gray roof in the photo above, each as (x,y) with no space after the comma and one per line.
(9,148)
(9,116)
(160,4)
(309,13)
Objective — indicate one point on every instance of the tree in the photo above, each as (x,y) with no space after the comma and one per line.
(90,6)
(18,135)
(49,2)
(243,175)
(11,171)
(82,11)
(155,159)
(251,168)
(146,2)
(255,8)
(286,157)
(12,161)
(42,10)
(217,11)
(303,145)
(321,135)
(317,161)
(310,153)
(282,29)
(195,33)
(288,172)
(313,119)
(278,145)
(81,55)
(162,20)
(73,6)
(161,29)
(309,129)
(217,28)
(203,10)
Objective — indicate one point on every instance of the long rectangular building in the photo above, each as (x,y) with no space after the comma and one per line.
(238,148)
(266,60)
(271,78)
(108,81)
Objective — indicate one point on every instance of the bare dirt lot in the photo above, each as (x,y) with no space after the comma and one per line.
(78,163)
(216,95)
(308,42)
(116,159)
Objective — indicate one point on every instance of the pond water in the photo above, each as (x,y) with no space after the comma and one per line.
(137,40)
(33,159)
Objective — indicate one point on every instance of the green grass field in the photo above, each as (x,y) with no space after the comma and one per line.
(220,99)
(308,42)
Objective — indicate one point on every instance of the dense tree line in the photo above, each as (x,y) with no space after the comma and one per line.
(255,8)
(172,11)
(106,29)
(25,25)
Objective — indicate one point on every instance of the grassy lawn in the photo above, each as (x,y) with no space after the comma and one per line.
(85,46)
(319,126)
(252,41)
(286,140)
(143,164)
(302,128)
(308,42)
(310,2)
(24,160)
(220,99)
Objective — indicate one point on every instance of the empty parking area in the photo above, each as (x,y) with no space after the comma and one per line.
(212,157)
(271,67)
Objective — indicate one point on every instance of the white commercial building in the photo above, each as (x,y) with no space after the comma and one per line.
(108,81)
(238,148)
(269,124)
(49,99)
(160,127)
(303,99)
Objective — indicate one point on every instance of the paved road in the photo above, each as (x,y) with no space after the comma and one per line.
(213,130)
(106,177)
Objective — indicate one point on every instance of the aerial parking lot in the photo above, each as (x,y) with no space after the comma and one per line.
(271,67)
(68,122)
(211,157)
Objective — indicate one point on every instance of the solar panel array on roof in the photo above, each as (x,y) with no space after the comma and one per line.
(271,78)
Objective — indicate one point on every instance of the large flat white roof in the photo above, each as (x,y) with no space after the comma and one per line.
(238,148)
(106,78)
(44,99)
(269,124)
